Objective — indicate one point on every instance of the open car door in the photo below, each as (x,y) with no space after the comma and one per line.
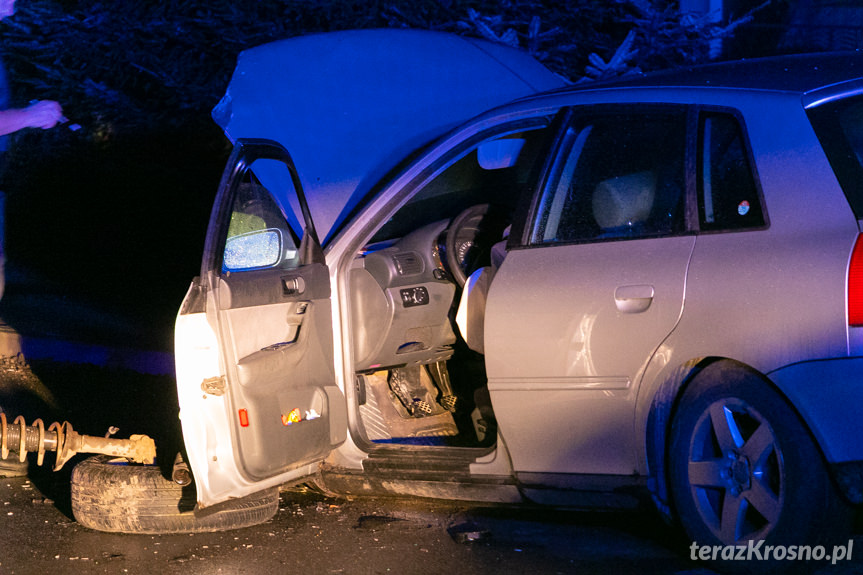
(254,349)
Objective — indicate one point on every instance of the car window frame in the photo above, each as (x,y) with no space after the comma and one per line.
(559,154)
(243,156)
(700,112)
(523,229)
(288,232)
(362,227)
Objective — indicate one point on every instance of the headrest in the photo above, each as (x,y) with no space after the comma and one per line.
(624,200)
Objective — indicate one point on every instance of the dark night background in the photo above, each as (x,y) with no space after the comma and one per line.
(116,212)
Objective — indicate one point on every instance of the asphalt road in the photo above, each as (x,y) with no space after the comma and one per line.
(312,534)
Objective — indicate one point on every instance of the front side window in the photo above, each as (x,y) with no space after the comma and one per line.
(621,176)
(258,233)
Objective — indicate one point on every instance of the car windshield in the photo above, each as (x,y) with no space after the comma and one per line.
(471,178)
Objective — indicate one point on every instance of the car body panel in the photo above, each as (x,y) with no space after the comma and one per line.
(350,105)
(564,362)
(746,274)
(828,395)
(787,158)
(810,312)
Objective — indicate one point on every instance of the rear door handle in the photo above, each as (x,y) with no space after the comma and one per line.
(633,299)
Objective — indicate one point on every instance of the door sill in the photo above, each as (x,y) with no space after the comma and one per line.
(390,477)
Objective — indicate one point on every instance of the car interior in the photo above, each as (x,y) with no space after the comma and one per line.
(417,294)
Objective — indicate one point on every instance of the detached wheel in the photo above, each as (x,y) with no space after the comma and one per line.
(110,495)
(743,467)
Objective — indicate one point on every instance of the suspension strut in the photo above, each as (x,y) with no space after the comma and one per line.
(20,438)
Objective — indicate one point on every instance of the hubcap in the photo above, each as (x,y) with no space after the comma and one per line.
(735,471)
(738,472)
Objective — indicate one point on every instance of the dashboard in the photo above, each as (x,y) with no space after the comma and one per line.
(401,296)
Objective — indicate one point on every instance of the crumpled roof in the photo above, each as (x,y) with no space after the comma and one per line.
(350,105)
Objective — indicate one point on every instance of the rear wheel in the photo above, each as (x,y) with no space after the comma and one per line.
(110,495)
(743,466)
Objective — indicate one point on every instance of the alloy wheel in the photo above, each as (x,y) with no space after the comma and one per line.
(735,471)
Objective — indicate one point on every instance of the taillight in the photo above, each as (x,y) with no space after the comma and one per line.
(855,285)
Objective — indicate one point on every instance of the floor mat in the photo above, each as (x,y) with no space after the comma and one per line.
(385,418)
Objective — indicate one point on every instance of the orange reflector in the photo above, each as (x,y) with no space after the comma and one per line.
(244,418)
(855,285)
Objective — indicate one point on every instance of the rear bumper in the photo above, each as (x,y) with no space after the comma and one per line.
(828,394)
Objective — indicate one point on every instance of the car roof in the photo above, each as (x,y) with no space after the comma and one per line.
(350,105)
(800,73)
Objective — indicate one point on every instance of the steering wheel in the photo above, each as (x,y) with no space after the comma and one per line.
(461,249)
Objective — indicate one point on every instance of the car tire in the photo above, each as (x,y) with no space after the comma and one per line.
(743,467)
(110,495)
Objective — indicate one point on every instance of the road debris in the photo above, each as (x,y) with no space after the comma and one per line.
(468,533)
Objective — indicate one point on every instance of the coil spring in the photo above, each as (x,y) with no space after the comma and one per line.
(22,438)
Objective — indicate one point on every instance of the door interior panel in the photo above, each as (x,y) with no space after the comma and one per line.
(280,367)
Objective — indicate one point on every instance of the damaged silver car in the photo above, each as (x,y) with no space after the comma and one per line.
(593,295)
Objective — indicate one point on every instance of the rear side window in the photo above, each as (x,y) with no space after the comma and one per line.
(620,176)
(839,126)
(728,198)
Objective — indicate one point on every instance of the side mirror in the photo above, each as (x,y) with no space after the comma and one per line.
(499,154)
(258,249)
